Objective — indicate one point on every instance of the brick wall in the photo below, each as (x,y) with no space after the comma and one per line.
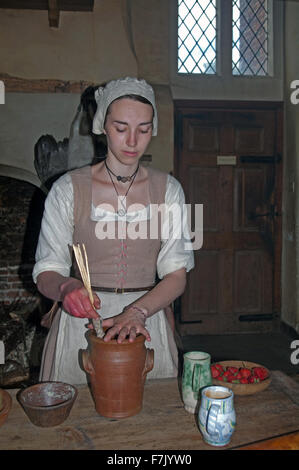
(21,209)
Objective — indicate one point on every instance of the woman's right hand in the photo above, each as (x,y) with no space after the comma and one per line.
(77,303)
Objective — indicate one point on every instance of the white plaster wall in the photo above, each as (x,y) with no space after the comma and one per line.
(150,36)
(90,46)
(161,147)
(25,117)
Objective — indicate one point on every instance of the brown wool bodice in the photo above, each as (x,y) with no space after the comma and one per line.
(121,262)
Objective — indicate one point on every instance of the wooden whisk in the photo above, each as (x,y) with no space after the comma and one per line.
(84,271)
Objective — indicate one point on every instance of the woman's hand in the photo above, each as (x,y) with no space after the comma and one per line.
(77,303)
(130,322)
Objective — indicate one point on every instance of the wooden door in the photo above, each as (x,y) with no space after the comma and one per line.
(228,158)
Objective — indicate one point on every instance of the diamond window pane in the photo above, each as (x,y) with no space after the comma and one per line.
(250,37)
(197,30)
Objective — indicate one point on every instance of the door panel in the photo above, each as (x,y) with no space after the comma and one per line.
(203,182)
(233,287)
(252,187)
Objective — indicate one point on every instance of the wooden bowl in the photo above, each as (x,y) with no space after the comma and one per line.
(6,406)
(48,403)
(243,389)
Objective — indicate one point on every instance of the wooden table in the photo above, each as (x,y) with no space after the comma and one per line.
(163,424)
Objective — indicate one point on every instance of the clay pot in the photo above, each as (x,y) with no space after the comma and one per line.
(117,374)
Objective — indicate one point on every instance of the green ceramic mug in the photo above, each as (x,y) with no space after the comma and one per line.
(196,375)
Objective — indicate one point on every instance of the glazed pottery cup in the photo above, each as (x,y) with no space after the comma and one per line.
(196,375)
(217,416)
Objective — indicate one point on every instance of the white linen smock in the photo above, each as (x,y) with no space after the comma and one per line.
(67,336)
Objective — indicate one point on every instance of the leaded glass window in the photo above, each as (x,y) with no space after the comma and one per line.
(250,37)
(197,36)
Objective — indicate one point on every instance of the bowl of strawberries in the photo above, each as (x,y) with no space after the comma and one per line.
(242,377)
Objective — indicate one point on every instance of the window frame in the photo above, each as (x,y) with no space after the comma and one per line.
(223,84)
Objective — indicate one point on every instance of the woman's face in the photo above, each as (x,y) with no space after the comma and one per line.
(128,130)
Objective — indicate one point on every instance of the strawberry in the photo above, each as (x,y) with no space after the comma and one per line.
(244,380)
(219,367)
(233,370)
(231,378)
(226,373)
(214,371)
(260,372)
(220,377)
(239,375)
(245,372)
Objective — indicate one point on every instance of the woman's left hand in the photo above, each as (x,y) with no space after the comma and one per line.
(129,323)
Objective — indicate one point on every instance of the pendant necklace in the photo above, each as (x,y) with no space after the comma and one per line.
(123,179)
(123,211)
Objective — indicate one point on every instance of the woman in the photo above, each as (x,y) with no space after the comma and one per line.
(80,207)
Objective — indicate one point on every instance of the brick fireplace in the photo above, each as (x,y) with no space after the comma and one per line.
(21,209)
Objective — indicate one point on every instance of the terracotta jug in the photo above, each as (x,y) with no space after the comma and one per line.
(117,374)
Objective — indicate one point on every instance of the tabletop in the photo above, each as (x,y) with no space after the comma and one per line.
(162,423)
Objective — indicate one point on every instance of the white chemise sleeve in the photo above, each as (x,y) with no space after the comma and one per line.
(174,253)
(52,253)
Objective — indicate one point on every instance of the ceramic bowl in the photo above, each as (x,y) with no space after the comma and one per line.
(243,389)
(6,402)
(48,403)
